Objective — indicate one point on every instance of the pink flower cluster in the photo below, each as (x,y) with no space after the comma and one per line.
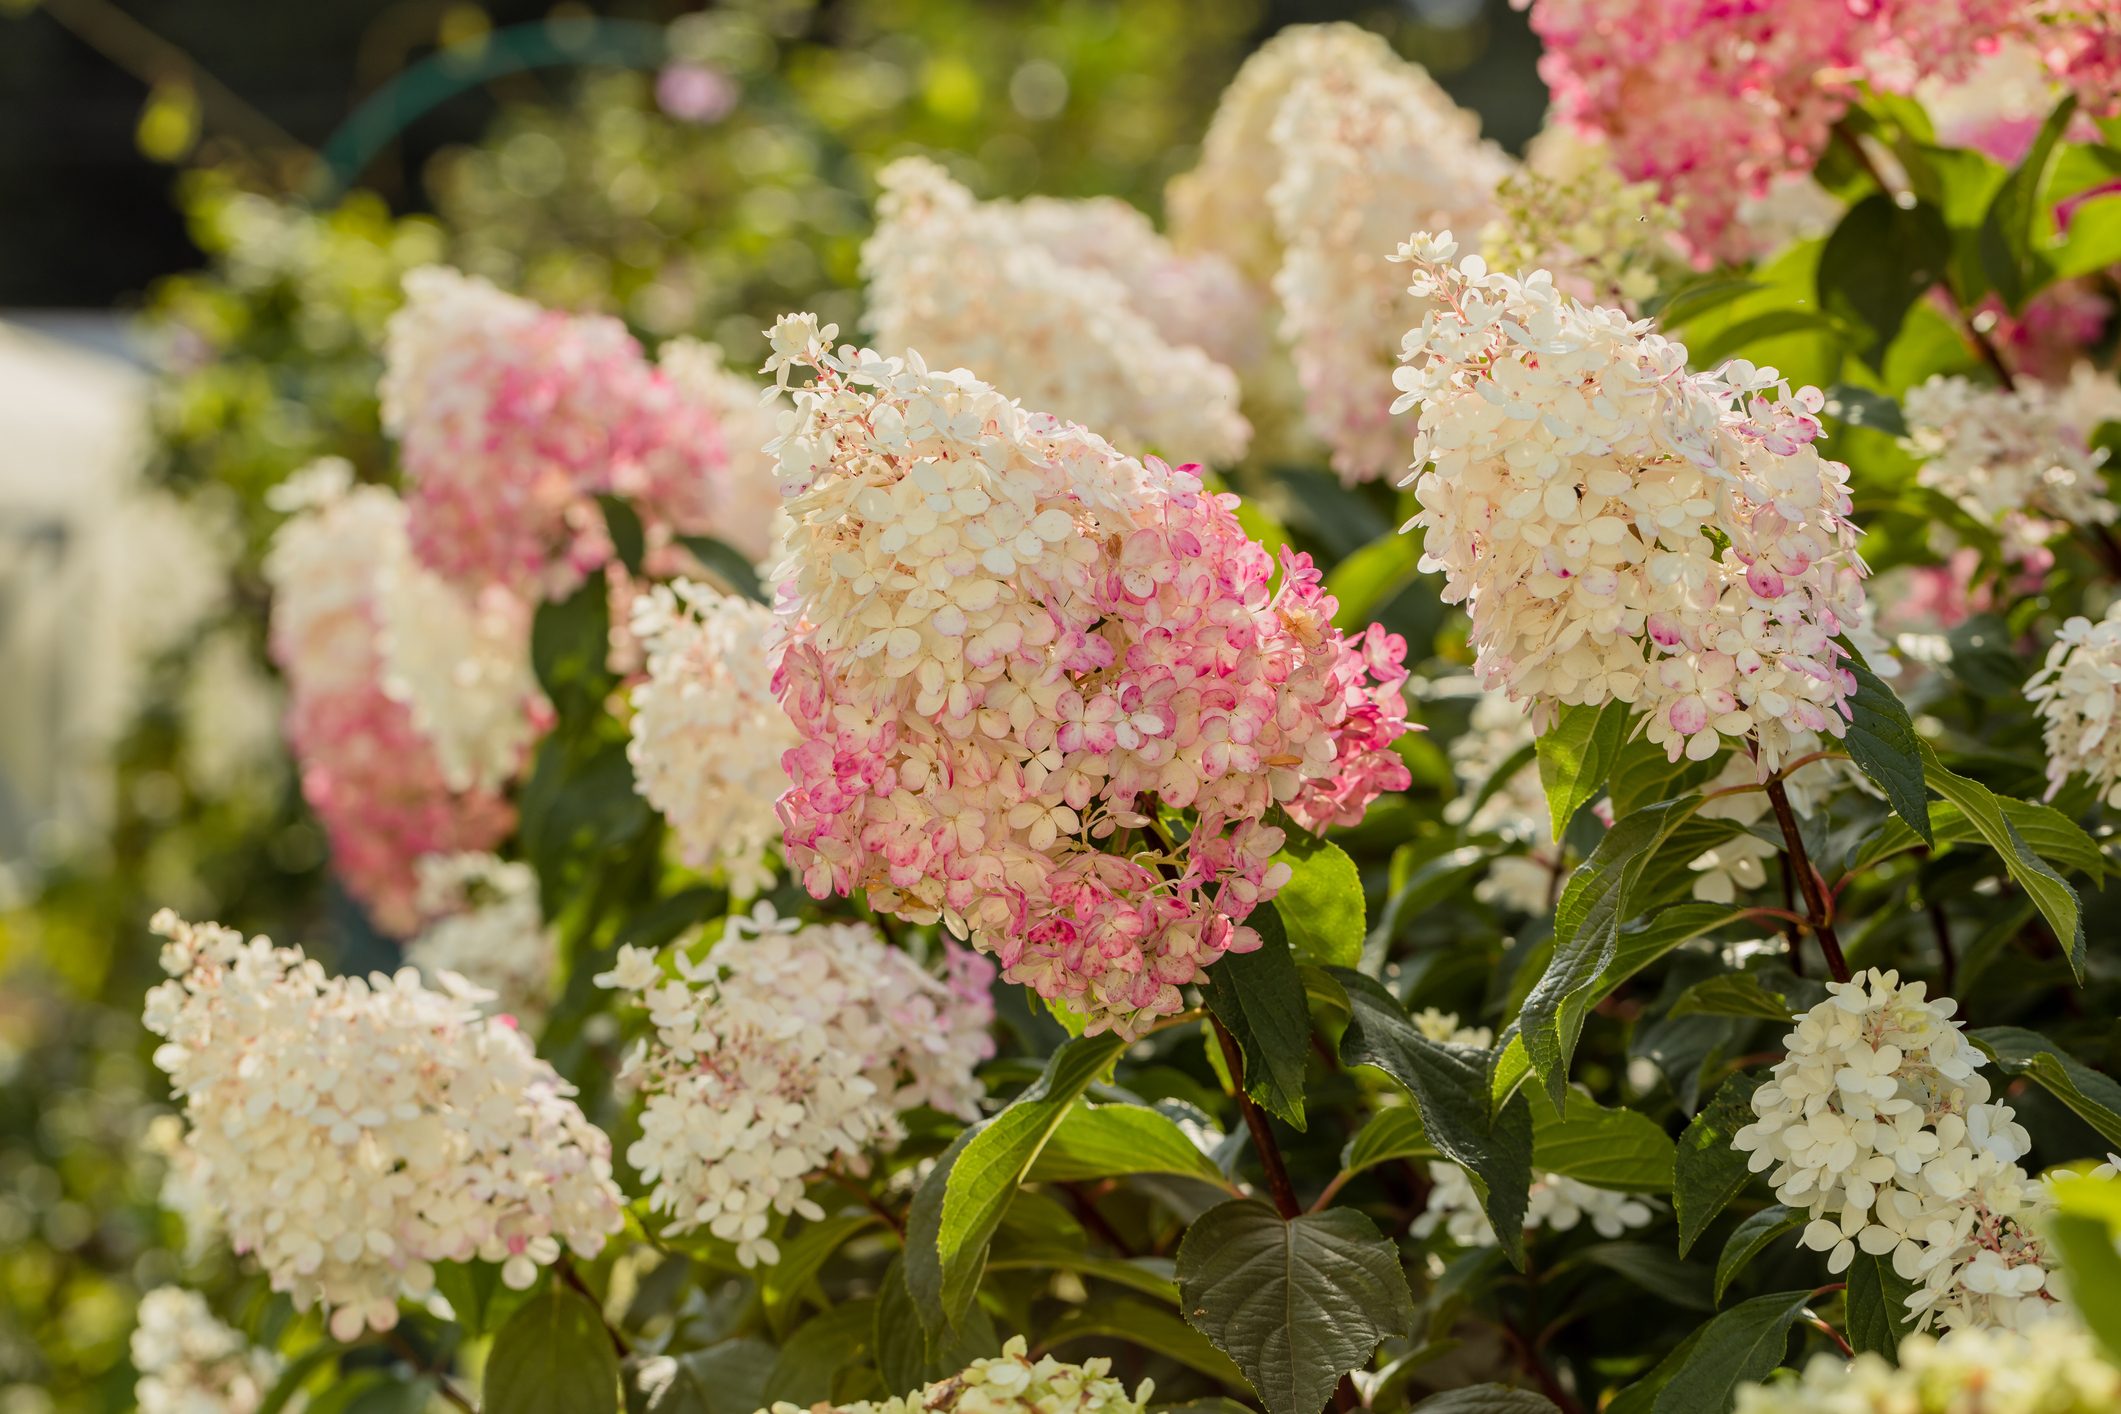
(512,418)
(371,775)
(1046,692)
(1714,99)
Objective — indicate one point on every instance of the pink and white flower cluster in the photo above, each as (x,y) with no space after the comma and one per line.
(1714,100)
(1620,527)
(1343,147)
(379,782)
(1014,655)
(708,735)
(512,419)
(352,1133)
(1876,1124)
(788,1049)
(2077,693)
(1060,310)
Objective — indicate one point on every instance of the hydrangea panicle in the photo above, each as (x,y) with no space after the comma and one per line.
(191,1363)
(2053,1368)
(1009,1383)
(2077,693)
(1012,652)
(1620,527)
(787,1050)
(350,1133)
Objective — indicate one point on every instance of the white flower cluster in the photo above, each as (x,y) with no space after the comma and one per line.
(2053,1368)
(751,496)
(459,659)
(2077,693)
(351,1133)
(189,1362)
(1517,810)
(488,929)
(970,283)
(1556,1203)
(1622,528)
(788,1049)
(1344,147)
(2016,458)
(1876,1124)
(707,732)
(1009,1383)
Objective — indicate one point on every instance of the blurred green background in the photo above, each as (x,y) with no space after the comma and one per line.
(242,183)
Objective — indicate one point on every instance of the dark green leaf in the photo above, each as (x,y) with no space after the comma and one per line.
(1735,339)
(1738,1347)
(2012,232)
(2084,1227)
(1607,1148)
(1296,1303)
(1880,259)
(1576,756)
(2048,890)
(1876,1298)
(1700,297)
(628,541)
(553,1357)
(1392,1133)
(1152,1276)
(1748,1241)
(1732,994)
(729,1378)
(2093,1095)
(1656,1270)
(820,1348)
(298,1374)
(1709,1173)
(570,640)
(1259,997)
(1321,906)
(1487,1399)
(2049,833)
(909,1356)
(802,1257)
(1449,1086)
(727,565)
(1860,407)
(1883,744)
(1153,1328)
(960,1203)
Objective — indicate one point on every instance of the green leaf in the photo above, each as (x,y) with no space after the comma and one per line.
(1882,742)
(1576,756)
(570,640)
(1394,1132)
(1750,1239)
(1153,1328)
(2093,1095)
(908,1355)
(822,1347)
(2049,833)
(1296,1303)
(553,1357)
(1449,1086)
(729,1378)
(1879,260)
(1656,1270)
(373,1392)
(1369,578)
(958,1206)
(1105,1141)
(1738,1347)
(1860,407)
(1152,1276)
(2083,1228)
(1735,339)
(802,1257)
(296,1375)
(1732,994)
(1587,931)
(1487,1399)
(1606,1148)
(2056,900)
(1321,906)
(628,541)
(1876,1298)
(728,565)
(1700,297)
(1709,1173)
(2012,234)
(1259,998)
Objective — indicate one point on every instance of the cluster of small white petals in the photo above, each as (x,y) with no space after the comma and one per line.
(2055,1367)
(189,1362)
(1569,210)
(1009,647)
(1009,1383)
(459,659)
(971,284)
(1556,1203)
(352,1133)
(487,929)
(707,733)
(2078,695)
(1516,810)
(1622,528)
(789,1049)
(1876,1124)
(2016,458)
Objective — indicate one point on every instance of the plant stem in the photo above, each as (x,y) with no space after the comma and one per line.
(1278,1185)
(876,1205)
(1818,912)
(1789,903)
(1835,1336)
(574,1279)
(425,1366)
